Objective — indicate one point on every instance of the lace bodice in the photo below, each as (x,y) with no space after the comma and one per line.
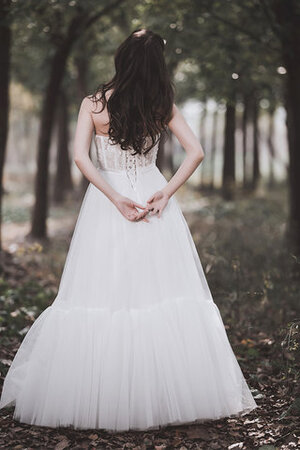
(112,157)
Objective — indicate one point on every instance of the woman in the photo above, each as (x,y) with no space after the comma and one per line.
(133,339)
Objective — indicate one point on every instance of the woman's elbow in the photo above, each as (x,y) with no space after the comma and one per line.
(199,157)
(77,155)
(77,160)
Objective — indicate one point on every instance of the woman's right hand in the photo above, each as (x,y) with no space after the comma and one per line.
(128,208)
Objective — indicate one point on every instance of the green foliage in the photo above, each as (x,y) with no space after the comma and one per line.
(20,305)
(254,280)
(255,269)
(213,49)
(41,27)
(15,215)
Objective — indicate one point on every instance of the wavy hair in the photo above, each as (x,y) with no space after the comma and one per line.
(140,105)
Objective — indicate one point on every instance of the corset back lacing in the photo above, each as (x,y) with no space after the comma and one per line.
(111,157)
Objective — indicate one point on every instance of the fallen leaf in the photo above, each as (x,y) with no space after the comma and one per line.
(62,444)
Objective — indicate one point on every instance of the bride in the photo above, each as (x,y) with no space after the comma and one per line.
(133,339)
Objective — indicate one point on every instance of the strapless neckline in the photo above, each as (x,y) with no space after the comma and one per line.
(103,136)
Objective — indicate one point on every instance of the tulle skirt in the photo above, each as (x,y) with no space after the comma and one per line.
(133,339)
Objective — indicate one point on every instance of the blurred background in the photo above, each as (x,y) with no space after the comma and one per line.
(236,69)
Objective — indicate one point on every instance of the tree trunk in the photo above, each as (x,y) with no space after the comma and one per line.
(213,147)
(5,41)
(169,163)
(38,227)
(228,185)
(161,151)
(78,26)
(202,133)
(245,140)
(81,63)
(255,167)
(293,126)
(288,17)
(271,147)
(63,179)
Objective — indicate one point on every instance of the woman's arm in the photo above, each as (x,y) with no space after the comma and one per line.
(191,145)
(82,142)
(178,125)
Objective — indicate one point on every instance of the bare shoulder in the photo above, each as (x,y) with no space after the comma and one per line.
(87,104)
(175,110)
(92,103)
(175,114)
(108,93)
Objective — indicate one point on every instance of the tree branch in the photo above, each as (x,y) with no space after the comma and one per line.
(82,21)
(275,27)
(103,12)
(242,30)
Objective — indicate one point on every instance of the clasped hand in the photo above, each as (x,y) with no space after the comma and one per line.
(129,208)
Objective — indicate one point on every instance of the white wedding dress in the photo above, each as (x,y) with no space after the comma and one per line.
(133,339)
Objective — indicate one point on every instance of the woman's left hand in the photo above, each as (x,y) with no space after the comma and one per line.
(157,203)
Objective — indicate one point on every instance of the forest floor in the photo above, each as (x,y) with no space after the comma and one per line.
(254,280)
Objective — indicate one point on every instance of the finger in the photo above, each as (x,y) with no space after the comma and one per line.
(141,215)
(150,200)
(132,217)
(138,205)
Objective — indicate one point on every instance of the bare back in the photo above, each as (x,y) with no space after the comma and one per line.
(101,119)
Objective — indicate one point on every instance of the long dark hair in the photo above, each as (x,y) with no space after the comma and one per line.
(140,105)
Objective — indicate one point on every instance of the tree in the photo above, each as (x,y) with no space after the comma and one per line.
(271,146)
(5,41)
(203,137)
(63,178)
(255,166)
(63,41)
(245,120)
(284,19)
(229,152)
(213,146)
(273,28)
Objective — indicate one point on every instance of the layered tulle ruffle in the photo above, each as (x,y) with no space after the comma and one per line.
(137,368)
